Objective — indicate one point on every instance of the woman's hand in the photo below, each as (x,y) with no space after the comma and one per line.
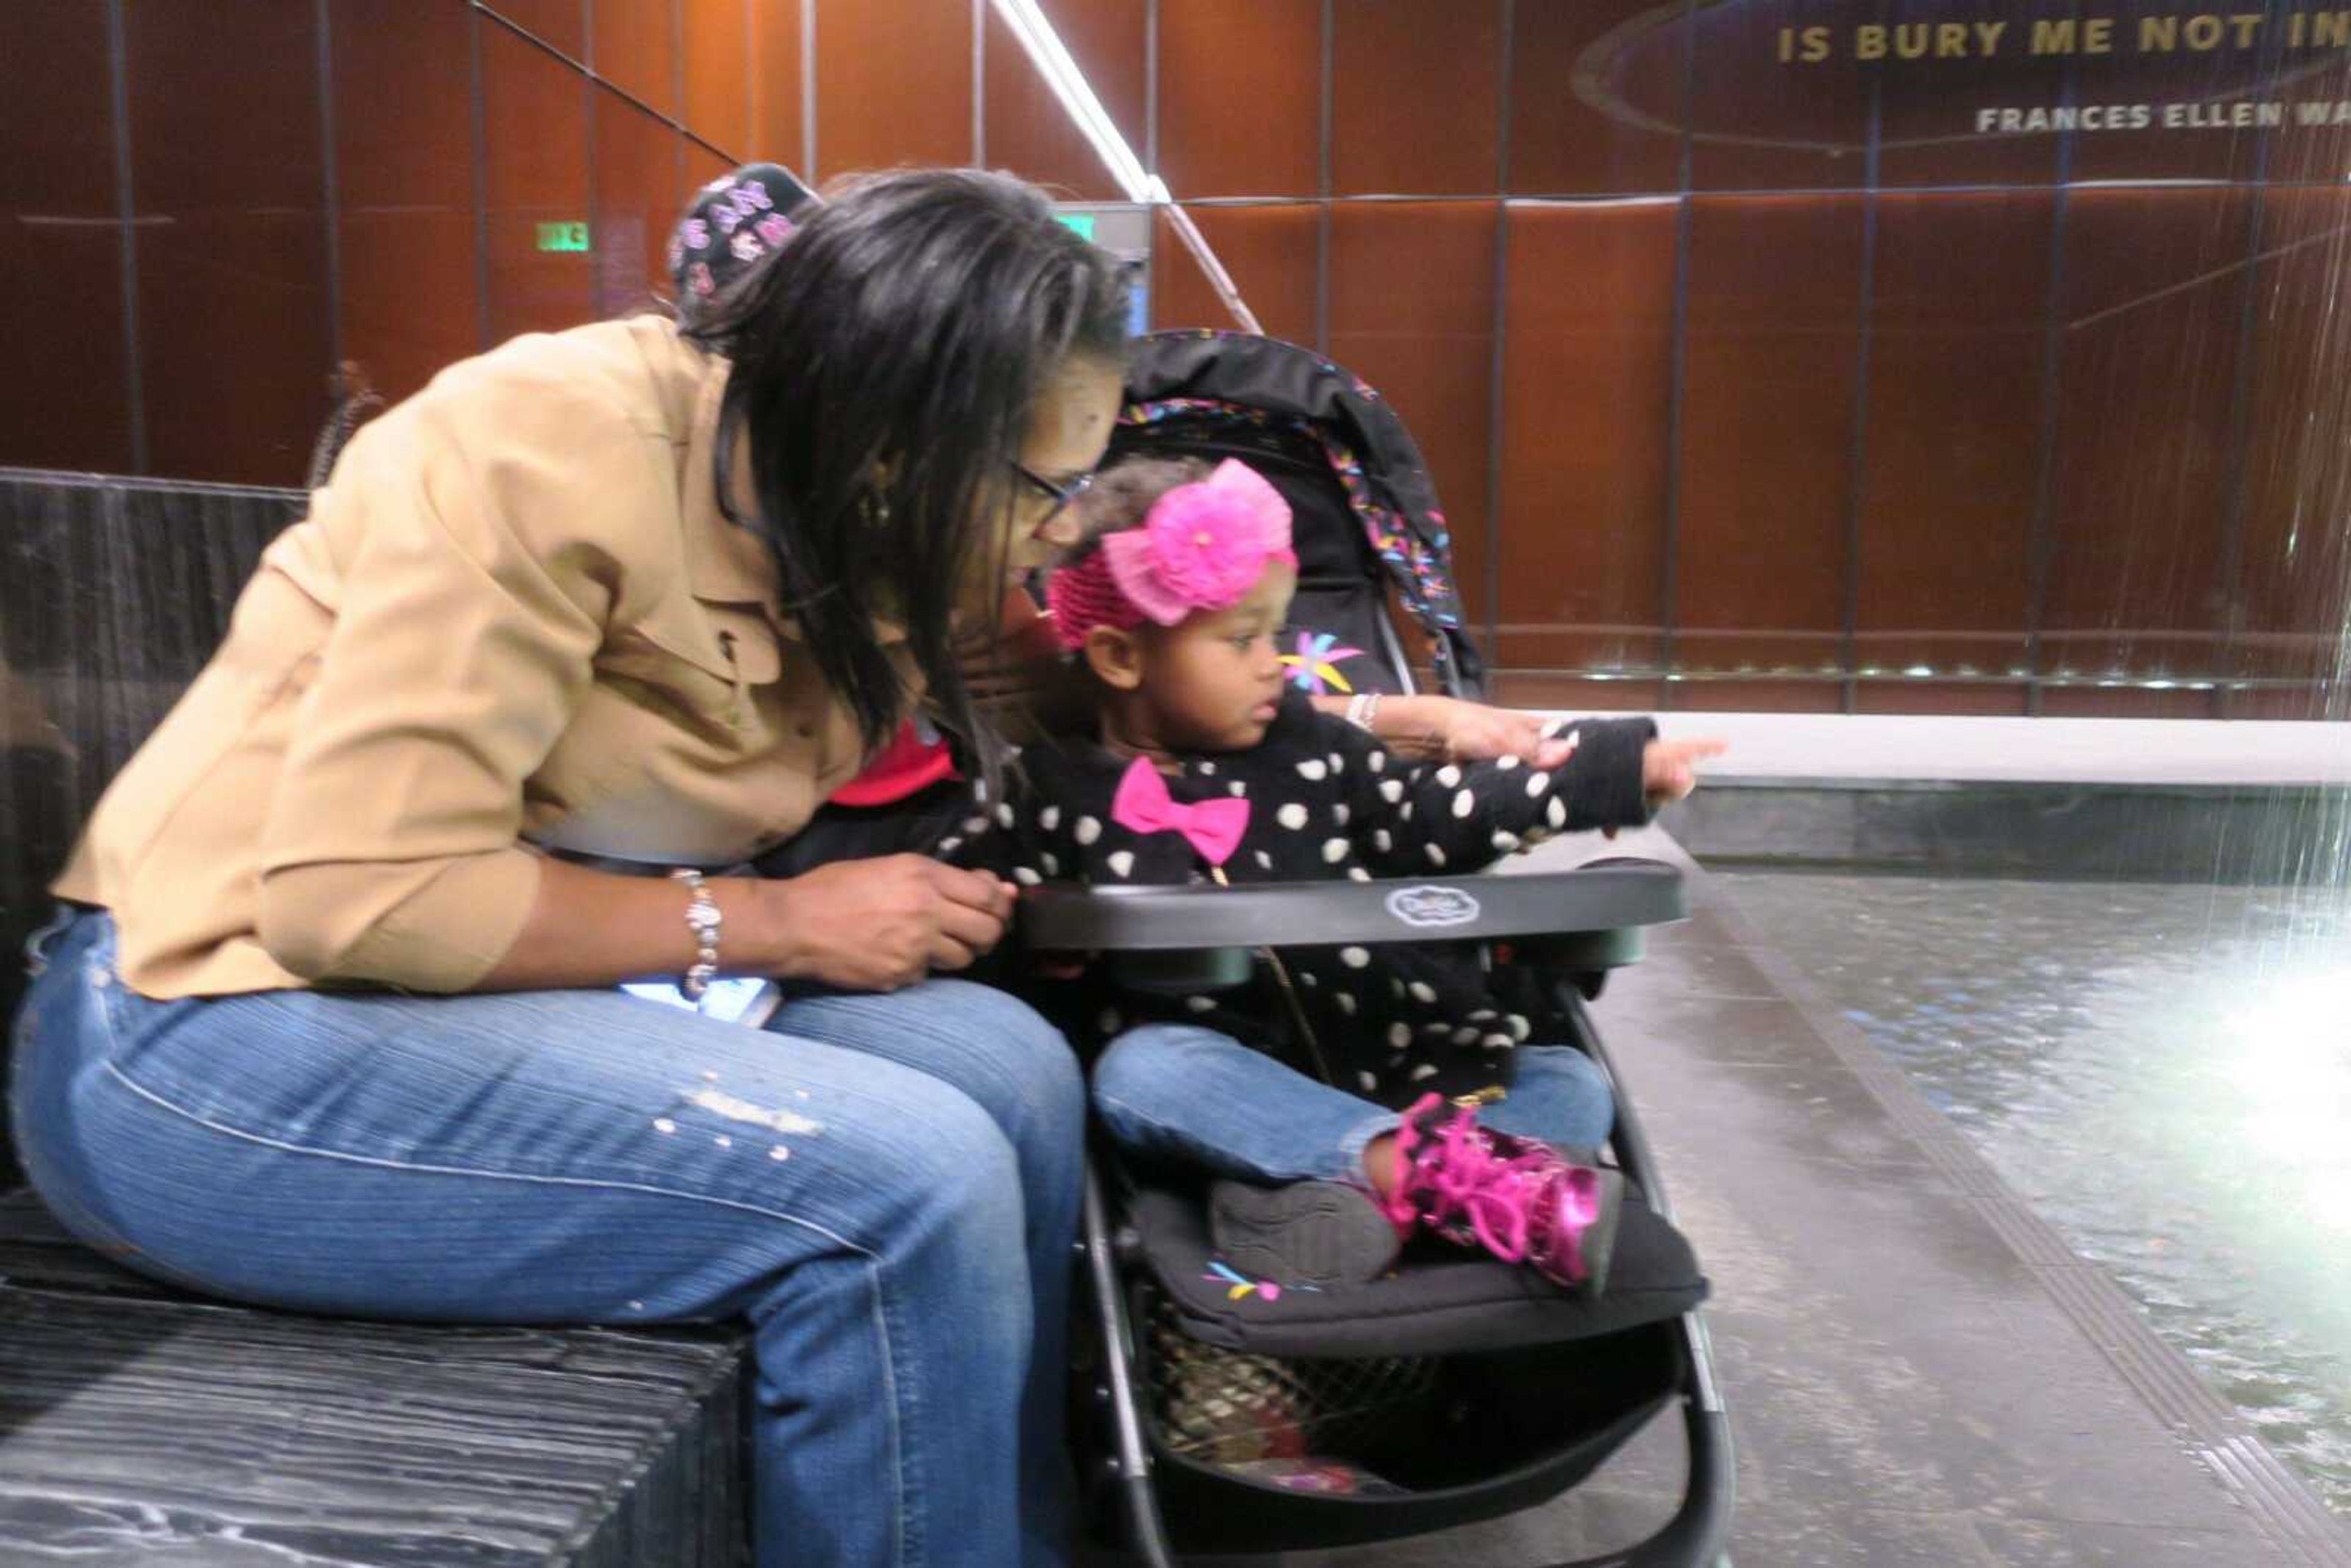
(877,924)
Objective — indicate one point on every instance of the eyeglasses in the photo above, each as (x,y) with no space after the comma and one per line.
(1060,495)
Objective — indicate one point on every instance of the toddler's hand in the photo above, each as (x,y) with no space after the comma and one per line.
(1669,767)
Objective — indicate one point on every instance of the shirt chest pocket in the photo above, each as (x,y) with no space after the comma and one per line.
(716,665)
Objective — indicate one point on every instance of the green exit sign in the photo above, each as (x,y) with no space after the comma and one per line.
(563,236)
(1081,222)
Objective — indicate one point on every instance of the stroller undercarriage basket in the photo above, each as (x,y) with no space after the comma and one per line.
(1235,1408)
(1255,1452)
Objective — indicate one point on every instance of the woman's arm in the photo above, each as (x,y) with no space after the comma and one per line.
(863,924)
(475,579)
(1430,729)
(467,614)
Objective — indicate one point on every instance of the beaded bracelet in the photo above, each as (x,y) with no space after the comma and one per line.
(704,918)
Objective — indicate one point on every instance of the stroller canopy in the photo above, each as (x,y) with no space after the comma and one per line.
(1198,389)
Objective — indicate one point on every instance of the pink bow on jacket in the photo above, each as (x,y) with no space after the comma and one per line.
(1143,804)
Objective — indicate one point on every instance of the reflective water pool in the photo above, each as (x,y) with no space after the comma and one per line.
(2163,1071)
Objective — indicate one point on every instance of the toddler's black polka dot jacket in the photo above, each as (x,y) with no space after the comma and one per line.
(1326,801)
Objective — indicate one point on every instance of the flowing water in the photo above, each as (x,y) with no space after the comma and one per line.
(2163,1071)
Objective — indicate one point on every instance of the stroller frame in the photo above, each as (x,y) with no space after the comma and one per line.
(1584,921)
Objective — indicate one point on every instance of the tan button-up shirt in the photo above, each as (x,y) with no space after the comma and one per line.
(515,617)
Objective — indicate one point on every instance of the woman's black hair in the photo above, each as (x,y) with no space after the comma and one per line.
(886,369)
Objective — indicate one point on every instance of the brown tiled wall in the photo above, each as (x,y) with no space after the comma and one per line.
(1747,384)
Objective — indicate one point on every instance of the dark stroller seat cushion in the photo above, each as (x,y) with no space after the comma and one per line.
(1438,1303)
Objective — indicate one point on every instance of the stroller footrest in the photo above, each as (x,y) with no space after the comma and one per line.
(1437,1303)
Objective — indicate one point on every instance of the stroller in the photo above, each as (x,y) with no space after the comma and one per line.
(1452,1390)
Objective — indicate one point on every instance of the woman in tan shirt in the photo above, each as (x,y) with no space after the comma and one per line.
(333,1021)
(336,1026)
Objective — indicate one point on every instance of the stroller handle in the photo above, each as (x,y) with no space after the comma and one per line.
(1606,896)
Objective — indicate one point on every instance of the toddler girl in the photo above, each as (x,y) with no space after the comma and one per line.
(1348,1096)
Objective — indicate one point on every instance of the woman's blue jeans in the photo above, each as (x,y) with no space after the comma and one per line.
(1193,1096)
(885,1185)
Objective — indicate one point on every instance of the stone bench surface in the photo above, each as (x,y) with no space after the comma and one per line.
(139,1424)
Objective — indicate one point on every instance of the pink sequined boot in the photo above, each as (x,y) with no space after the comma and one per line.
(1521,1200)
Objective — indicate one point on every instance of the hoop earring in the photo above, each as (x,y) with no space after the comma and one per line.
(873,510)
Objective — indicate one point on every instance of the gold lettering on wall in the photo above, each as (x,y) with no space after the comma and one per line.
(2200,32)
(2054,37)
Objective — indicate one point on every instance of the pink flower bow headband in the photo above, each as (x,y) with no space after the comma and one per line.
(1203,546)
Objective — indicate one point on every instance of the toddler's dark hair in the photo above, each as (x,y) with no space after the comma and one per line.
(1121,496)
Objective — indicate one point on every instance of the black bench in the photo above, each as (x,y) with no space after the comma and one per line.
(139,1424)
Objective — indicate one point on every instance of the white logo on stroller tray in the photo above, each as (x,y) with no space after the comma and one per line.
(1427,905)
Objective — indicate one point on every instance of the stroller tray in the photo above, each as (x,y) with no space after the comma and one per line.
(1437,1303)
